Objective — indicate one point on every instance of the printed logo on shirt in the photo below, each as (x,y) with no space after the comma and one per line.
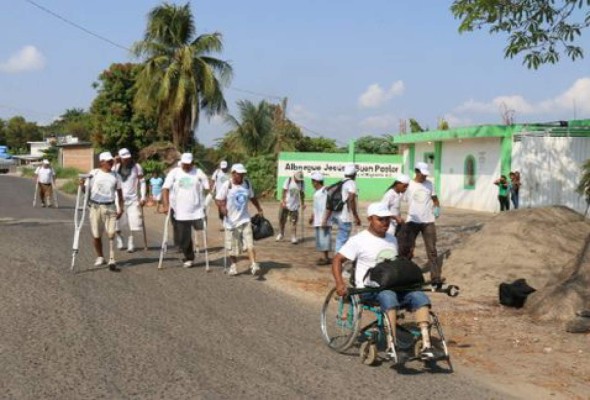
(185,182)
(385,254)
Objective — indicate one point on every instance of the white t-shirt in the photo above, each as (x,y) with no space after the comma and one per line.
(129,185)
(219,178)
(319,205)
(45,175)
(368,250)
(420,204)
(104,186)
(293,192)
(185,194)
(392,200)
(237,198)
(348,189)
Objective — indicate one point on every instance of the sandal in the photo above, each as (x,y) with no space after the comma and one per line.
(323,261)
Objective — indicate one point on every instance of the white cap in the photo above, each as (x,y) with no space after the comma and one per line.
(317,176)
(45,161)
(105,156)
(238,168)
(223,164)
(423,168)
(349,169)
(379,210)
(298,176)
(124,153)
(402,178)
(186,158)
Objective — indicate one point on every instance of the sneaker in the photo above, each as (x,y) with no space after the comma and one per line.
(187,264)
(43,205)
(99,261)
(255,267)
(294,240)
(427,354)
(113,267)
(233,270)
(279,237)
(130,246)
(119,240)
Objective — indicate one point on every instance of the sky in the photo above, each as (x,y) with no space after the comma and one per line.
(348,68)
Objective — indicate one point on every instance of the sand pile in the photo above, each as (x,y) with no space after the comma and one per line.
(535,244)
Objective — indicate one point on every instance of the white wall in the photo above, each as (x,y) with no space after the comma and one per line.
(550,170)
(484,197)
(36,148)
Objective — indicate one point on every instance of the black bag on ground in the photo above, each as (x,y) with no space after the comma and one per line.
(261,227)
(514,294)
(398,273)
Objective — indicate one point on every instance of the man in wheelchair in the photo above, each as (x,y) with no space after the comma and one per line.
(366,250)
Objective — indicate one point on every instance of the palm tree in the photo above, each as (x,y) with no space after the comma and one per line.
(179,77)
(254,133)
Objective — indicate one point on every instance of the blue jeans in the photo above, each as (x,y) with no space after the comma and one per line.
(344,229)
(389,300)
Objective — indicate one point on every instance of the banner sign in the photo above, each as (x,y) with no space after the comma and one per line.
(335,169)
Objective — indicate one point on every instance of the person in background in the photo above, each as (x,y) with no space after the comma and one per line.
(156,182)
(514,188)
(393,198)
(323,233)
(292,200)
(45,180)
(219,177)
(503,189)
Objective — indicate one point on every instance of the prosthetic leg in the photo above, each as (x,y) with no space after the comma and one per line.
(36,192)
(81,204)
(53,190)
(207,269)
(164,247)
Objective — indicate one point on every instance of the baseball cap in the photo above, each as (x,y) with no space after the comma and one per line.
(423,168)
(298,176)
(402,178)
(378,210)
(45,161)
(349,169)
(238,168)
(223,164)
(105,156)
(317,176)
(186,158)
(124,153)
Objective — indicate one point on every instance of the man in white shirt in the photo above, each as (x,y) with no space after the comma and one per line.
(392,199)
(292,200)
(187,184)
(232,199)
(369,248)
(132,179)
(349,212)
(45,180)
(219,177)
(423,209)
(105,189)
(323,233)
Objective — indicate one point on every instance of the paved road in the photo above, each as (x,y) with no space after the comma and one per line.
(171,334)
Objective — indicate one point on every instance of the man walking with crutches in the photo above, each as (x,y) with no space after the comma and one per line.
(185,182)
(132,179)
(45,182)
(105,189)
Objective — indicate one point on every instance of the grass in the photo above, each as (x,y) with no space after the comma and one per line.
(71,186)
(65,173)
(27,172)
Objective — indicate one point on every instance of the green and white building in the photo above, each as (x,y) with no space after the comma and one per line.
(466,161)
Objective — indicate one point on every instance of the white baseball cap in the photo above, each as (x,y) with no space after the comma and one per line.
(124,153)
(317,176)
(402,178)
(349,169)
(298,176)
(238,168)
(45,161)
(423,168)
(223,164)
(379,210)
(186,158)
(105,156)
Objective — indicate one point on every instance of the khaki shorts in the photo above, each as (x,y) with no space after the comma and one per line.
(131,217)
(239,239)
(102,217)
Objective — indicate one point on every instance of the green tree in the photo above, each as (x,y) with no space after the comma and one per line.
(179,77)
(253,132)
(74,121)
(115,121)
(415,126)
(317,145)
(443,125)
(584,185)
(18,132)
(375,145)
(539,29)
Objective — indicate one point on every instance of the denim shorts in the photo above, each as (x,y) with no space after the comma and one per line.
(388,299)
(323,238)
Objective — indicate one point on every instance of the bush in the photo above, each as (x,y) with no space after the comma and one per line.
(66,173)
(262,172)
(27,172)
(71,186)
(150,166)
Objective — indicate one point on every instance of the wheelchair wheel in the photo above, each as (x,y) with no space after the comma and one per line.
(340,321)
(368,353)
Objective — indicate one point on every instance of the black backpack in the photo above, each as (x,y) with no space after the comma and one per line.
(514,294)
(334,200)
(261,227)
(396,274)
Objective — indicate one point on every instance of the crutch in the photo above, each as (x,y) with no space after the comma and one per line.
(164,247)
(79,219)
(145,246)
(35,196)
(207,269)
(53,190)
(224,250)
(302,222)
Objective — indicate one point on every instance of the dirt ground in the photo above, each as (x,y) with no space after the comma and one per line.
(500,345)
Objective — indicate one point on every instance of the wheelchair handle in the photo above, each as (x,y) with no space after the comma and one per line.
(449,290)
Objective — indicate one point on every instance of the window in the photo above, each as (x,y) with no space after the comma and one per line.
(469,172)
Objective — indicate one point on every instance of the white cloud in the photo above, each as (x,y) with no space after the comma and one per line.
(578,96)
(457,121)
(513,102)
(375,95)
(26,59)
(383,122)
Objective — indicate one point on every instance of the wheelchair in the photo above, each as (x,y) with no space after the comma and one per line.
(348,323)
